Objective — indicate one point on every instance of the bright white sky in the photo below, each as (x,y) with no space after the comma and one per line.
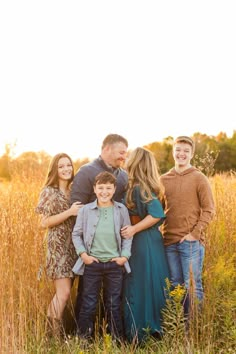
(73,71)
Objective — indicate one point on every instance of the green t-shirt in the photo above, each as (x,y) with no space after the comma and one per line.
(104,246)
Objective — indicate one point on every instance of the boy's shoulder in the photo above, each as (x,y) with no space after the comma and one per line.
(89,206)
(119,205)
(171,172)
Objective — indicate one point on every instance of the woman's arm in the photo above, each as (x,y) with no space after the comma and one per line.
(54,220)
(130,230)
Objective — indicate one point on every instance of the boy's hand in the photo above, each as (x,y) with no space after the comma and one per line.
(119,260)
(88,259)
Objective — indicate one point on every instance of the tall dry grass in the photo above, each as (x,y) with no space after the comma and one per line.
(22,302)
(24,298)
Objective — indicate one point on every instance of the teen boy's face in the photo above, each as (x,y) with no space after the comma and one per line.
(182,154)
(104,193)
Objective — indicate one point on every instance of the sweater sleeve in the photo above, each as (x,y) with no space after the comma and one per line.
(207,206)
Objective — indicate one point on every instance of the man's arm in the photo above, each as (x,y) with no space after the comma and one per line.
(82,188)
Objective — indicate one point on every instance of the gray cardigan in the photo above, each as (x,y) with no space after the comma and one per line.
(85,227)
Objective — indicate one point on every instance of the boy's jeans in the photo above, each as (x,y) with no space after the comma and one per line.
(181,257)
(110,275)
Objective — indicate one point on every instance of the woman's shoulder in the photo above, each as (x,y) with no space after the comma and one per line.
(48,190)
(47,195)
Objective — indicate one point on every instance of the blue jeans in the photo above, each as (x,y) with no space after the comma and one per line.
(110,275)
(182,257)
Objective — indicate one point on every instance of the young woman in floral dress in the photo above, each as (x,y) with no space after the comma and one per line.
(57,216)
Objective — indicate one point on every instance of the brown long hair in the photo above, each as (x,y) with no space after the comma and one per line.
(52,174)
(142,169)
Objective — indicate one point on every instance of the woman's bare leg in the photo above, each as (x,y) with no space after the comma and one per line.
(60,299)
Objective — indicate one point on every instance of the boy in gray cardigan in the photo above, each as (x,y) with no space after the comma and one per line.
(103,255)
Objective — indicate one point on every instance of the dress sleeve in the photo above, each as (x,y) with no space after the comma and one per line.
(154,208)
(44,203)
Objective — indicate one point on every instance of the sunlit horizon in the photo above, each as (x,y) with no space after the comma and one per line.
(93,151)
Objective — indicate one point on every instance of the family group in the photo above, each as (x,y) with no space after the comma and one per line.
(124,230)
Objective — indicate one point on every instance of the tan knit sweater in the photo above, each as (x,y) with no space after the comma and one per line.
(188,204)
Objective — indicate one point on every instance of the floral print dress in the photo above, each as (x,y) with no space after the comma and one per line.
(61,254)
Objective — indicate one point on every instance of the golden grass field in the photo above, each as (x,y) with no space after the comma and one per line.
(24,299)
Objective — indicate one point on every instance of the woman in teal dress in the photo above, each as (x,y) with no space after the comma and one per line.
(144,288)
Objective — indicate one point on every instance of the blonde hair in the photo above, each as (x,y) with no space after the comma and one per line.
(142,169)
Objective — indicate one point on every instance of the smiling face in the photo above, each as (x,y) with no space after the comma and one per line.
(64,169)
(115,154)
(182,153)
(104,193)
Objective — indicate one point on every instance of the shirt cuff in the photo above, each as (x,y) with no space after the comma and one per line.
(125,254)
(80,250)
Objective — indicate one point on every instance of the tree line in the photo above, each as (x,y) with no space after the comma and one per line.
(213,154)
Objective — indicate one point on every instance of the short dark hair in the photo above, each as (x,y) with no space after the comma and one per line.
(105,177)
(113,139)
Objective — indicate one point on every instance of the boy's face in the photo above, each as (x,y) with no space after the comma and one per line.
(104,193)
(182,153)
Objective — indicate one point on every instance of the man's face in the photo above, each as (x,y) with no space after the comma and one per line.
(116,154)
(182,154)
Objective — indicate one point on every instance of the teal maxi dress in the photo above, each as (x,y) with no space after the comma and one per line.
(144,288)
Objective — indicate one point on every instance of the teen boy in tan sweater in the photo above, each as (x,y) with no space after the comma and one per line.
(189,208)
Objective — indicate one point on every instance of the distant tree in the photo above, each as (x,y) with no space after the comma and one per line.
(212,154)
(206,153)
(167,145)
(5,160)
(226,160)
(163,153)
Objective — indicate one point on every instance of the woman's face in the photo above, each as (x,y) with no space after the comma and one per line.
(65,169)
